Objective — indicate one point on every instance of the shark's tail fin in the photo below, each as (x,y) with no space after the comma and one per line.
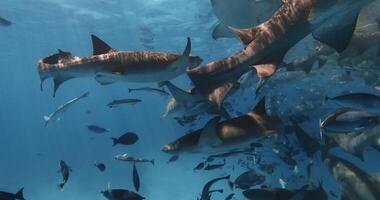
(20,195)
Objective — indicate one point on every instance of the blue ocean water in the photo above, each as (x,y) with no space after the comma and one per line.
(30,152)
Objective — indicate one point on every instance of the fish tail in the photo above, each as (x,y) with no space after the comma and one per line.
(130,90)
(46,119)
(20,194)
(115,141)
(152,161)
(60,186)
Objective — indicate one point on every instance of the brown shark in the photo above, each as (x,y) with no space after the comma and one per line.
(108,65)
(355,183)
(331,22)
(216,136)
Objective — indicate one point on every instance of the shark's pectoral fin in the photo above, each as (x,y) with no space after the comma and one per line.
(337,36)
(219,94)
(209,137)
(99,46)
(221,31)
(106,78)
(178,94)
(246,36)
(58,82)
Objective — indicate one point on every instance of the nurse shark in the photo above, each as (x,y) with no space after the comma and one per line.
(109,65)
(329,21)
(218,136)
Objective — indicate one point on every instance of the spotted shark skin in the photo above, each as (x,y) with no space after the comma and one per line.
(108,65)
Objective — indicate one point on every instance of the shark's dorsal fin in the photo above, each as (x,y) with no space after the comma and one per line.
(246,36)
(58,82)
(209,137)
(337,36)
(178,94)
(63,54)
(99,46)
(260,107)
(187,51)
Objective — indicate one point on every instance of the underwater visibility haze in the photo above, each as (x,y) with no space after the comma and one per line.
(190,100)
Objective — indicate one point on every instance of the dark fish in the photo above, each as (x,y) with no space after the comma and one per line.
(199,166)
(136,178)
(229,197)
(126,158)
(97,129)
(123,101)
(9,196)
(128,138)
(357,100)
(348,120)
(316,194)
(65,170)
(206,188)
(100,166)
(268,193)
(5,22)
(173,158)
(249,179)
(121,194)
(149,89)
(215,166)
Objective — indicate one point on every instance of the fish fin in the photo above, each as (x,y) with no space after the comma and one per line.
(60,186)
(219,94)
(260,107)
(46,119)
(337,36)
(62,55)
(152,161)
(181,96)
(208,137)
(115,141)
(58,82)
(99,46)
(246,36)
(20,194)
(187,51)
(221,31)
(106,78)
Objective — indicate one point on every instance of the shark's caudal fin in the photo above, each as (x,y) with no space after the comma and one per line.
(221,31)
(20,195)
(337,36)
(99,46)
(51,61)
(187,51)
